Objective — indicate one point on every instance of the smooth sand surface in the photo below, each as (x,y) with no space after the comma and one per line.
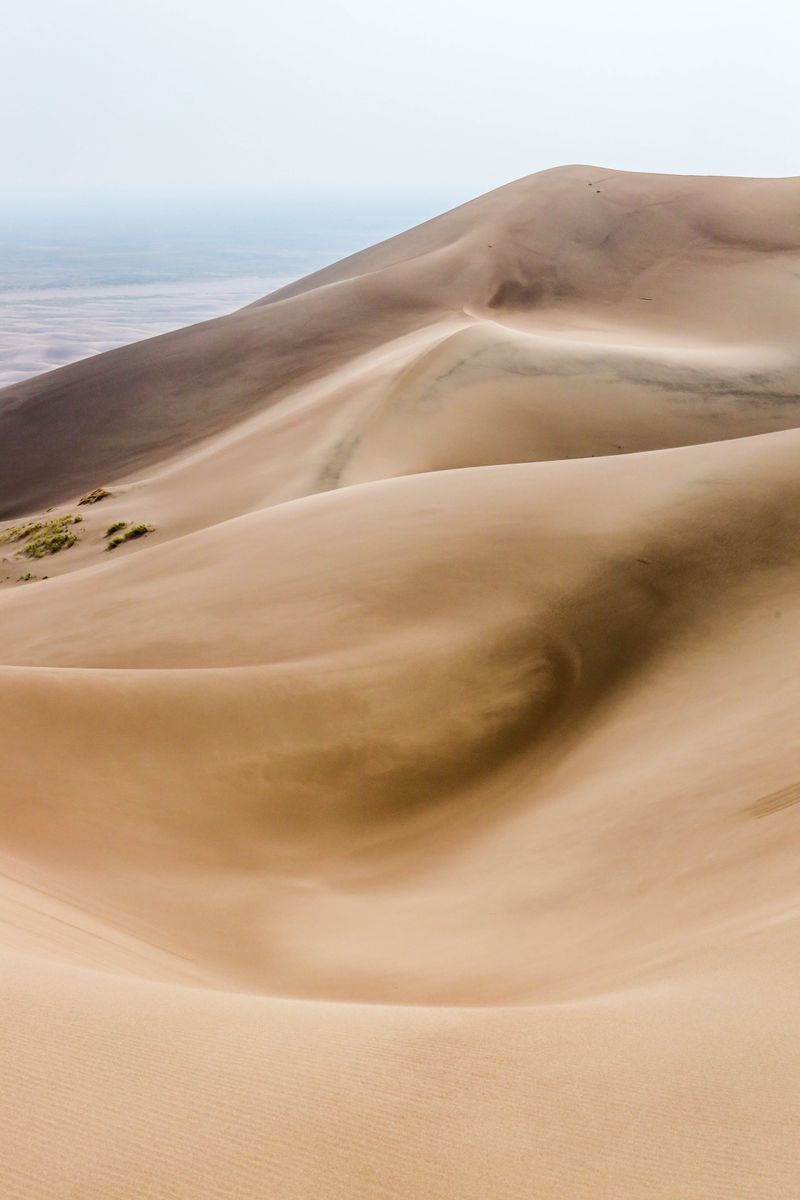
(412,814)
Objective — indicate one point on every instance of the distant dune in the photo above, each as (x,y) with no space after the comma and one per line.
(406,811)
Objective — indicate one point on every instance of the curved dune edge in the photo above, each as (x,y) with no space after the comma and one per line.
(411,813)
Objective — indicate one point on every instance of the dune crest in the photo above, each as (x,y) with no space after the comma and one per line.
(407,809)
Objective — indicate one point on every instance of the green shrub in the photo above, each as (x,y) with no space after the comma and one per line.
(18,532)
(115,528)
(128,534)
(43,536)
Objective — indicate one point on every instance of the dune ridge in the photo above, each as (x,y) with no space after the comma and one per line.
(410,813)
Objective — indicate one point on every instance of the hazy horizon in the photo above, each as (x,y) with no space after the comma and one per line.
(78,280)
(377,101)
(198,155)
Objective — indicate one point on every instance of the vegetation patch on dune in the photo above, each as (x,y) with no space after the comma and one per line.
(126,533)
(44,536)
(18,532)
(98,493)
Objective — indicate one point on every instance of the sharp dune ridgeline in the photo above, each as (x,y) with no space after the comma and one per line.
(399,701)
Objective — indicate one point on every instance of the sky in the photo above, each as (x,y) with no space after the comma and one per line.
(374,98)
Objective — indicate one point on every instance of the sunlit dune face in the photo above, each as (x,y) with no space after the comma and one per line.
(398,707)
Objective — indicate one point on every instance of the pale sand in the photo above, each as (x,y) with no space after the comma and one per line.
(411,816)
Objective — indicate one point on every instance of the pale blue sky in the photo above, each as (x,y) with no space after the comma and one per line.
(364,97)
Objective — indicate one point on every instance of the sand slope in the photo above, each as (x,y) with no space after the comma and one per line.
(412,814)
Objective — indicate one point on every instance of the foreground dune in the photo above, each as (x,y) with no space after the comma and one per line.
(410,814)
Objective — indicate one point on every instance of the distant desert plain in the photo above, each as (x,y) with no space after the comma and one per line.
(399,706)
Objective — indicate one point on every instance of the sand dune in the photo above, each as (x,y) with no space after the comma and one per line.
(410,813)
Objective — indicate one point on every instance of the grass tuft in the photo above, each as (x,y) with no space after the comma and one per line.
(18,532)
(128,534)
(115,528)
(46,536)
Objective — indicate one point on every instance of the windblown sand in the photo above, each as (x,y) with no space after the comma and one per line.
(414,814)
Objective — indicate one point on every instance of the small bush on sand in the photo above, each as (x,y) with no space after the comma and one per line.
(98,493)
(46,536)
(115,528)
(18,532)
(128,534)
